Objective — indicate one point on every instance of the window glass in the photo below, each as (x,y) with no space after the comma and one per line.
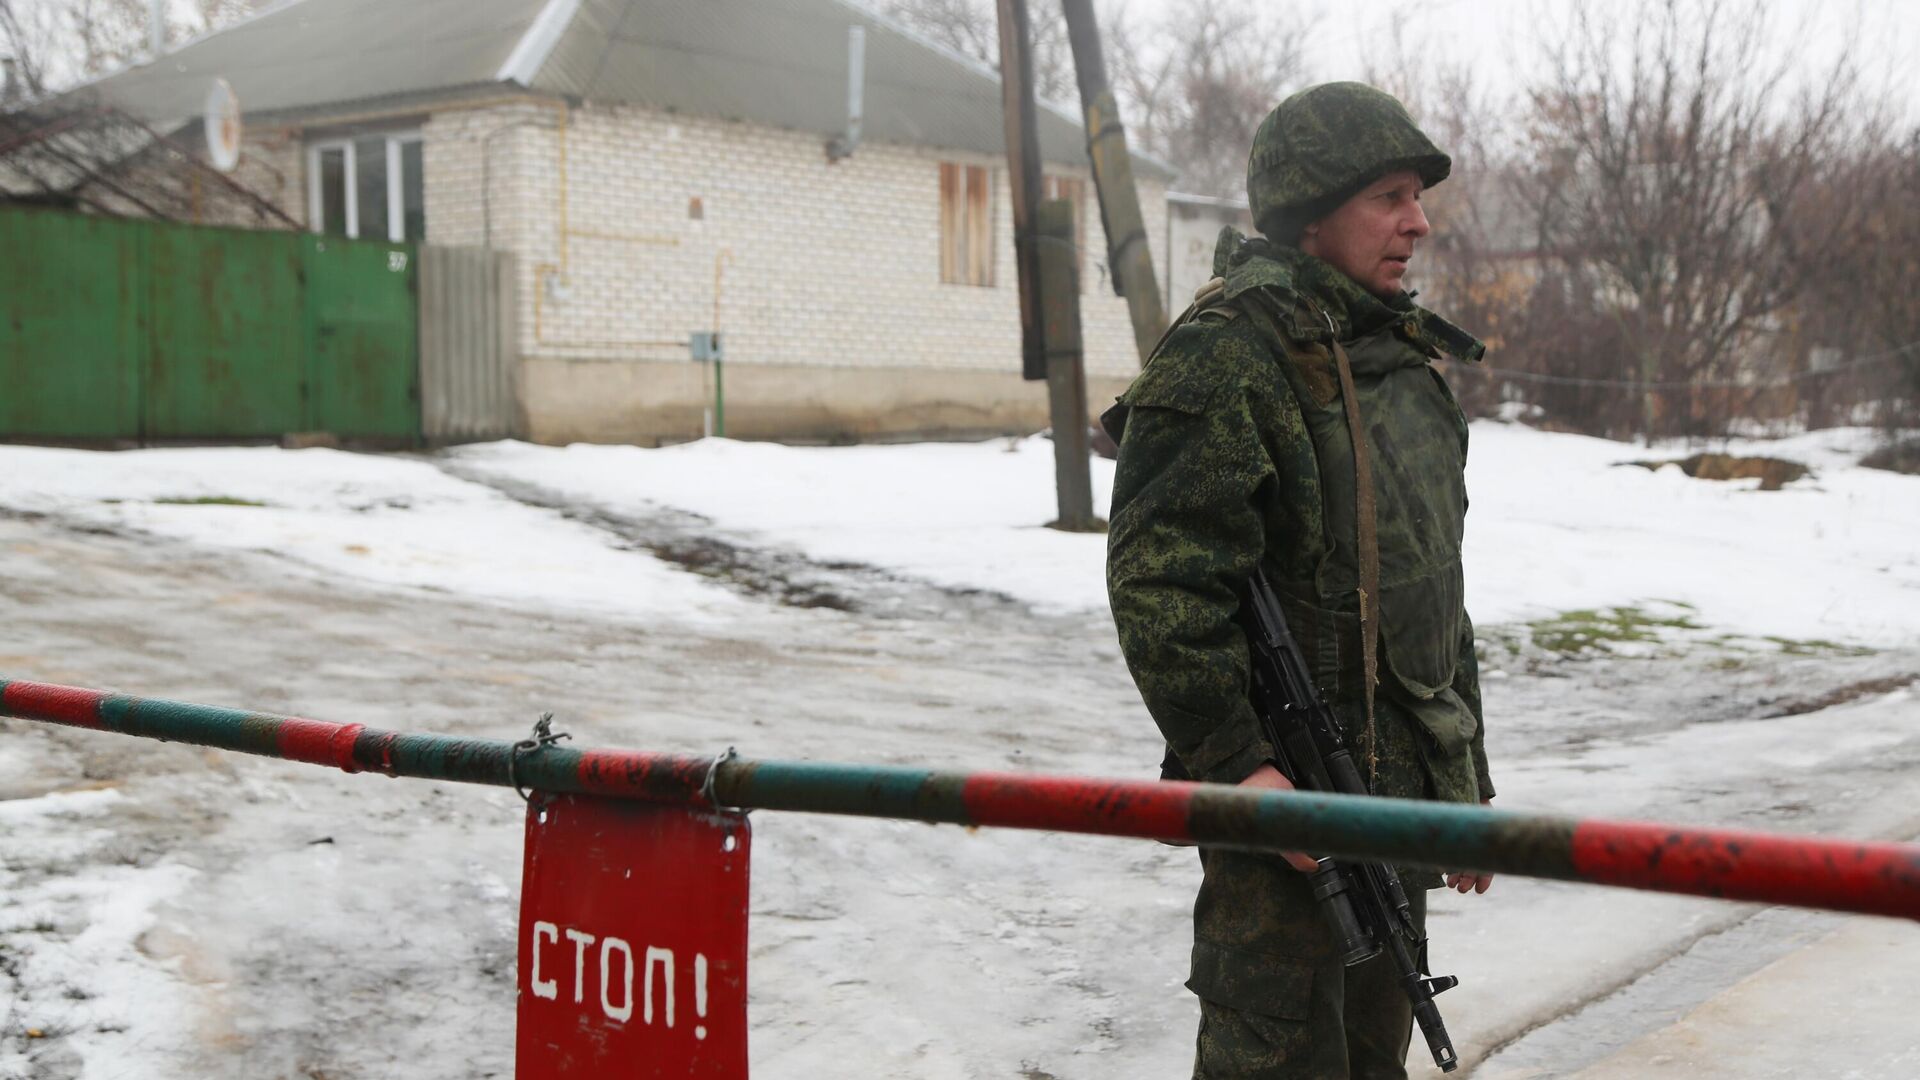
(370,181)
(413,198)
(333,191)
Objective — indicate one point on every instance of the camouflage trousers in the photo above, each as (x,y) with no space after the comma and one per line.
(1275,1000)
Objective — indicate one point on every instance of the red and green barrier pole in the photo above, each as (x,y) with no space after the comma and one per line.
(1806,871)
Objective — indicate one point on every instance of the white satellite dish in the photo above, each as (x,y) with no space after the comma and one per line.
(223,126)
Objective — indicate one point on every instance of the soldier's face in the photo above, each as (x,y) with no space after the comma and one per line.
(1370,238)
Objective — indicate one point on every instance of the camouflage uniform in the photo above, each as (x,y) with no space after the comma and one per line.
(1235,450)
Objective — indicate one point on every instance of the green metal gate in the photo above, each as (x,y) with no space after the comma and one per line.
(137,330)
(361,309)
(72,326)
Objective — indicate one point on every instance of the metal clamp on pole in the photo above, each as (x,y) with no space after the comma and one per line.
(713,774)
(541,737)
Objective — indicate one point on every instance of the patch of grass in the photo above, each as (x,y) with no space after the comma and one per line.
(1816,647)
(206,500)
(1602,630)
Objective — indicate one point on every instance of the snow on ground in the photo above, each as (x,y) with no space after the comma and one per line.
(104,986)
(1562,522)
(214,916)
(383,519)
(1558,522)
(964,515)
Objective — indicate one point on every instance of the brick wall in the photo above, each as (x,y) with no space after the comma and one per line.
(273,164)
(828,266)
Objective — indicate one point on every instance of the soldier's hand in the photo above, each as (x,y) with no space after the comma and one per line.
(1267,776)
(1472,880)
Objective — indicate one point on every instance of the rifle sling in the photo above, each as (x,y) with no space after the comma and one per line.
(1369,552)
(1368,539)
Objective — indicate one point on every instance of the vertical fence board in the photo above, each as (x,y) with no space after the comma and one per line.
(466,346)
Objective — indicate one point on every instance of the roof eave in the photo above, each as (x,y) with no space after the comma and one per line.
(530,53)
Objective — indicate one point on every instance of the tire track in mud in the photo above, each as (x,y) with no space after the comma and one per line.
(785,576)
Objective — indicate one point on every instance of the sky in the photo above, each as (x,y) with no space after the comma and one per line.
(1499,37)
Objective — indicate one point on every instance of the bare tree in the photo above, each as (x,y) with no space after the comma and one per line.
(1661,185)
(24,34)
(1193,82)
(1476,267)
(971,28)
(1862,318)
(58,42)
(1196,82)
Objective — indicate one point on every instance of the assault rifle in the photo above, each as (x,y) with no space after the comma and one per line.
(1364,901)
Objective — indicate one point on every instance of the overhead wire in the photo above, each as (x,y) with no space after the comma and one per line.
(1707,384)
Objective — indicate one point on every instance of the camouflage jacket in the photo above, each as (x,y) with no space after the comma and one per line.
(1234,448)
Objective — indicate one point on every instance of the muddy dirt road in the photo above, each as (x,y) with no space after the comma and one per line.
(173,912)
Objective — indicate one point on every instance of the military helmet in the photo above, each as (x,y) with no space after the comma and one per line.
(1324,143)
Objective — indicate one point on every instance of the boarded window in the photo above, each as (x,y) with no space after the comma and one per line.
(966,224)
(1074,190)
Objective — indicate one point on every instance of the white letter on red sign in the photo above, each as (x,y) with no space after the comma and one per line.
(581,939)
(625,1011)
(664,957)
(546,988)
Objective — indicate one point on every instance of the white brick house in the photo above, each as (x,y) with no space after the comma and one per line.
(659,167)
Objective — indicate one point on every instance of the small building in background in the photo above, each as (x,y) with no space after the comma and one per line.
(659,168)
(1193,229)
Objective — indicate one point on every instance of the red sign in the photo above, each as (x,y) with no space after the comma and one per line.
(633,941)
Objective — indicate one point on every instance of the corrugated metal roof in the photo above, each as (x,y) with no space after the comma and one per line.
(784,63)
(777,62)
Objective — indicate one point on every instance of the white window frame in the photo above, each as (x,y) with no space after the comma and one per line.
(396,190)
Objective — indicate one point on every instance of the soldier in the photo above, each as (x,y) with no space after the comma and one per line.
(1292,417)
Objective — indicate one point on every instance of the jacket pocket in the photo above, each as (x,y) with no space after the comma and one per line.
(1422,630)
(1330,642)
(1252,982)
(1445,717)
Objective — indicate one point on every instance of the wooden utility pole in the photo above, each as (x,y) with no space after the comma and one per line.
(1127,253)
(1049,285)
(1023,174)
(1066,367)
